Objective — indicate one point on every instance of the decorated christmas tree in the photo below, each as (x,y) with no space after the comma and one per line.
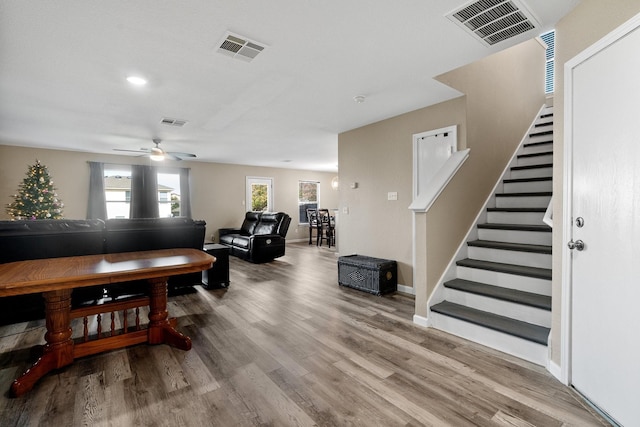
(37,197)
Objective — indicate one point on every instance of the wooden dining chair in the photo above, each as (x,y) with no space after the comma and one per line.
(326,228)
(312,219)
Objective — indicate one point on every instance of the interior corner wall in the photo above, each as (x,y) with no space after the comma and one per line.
(378,158)
(590,21)
(503,93)
(217,189)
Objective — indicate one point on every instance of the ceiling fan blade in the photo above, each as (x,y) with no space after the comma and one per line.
(171,156)
(132,151)
(181,154)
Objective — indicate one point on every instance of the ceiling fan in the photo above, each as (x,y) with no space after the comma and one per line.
(158,154)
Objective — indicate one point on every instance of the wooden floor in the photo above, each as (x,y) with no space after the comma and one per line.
(285,345)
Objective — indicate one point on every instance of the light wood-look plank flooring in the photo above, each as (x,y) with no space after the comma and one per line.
(285,345)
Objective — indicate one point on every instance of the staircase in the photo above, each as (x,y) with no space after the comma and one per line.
(500,294)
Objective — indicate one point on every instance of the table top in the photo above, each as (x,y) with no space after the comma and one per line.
(40,275)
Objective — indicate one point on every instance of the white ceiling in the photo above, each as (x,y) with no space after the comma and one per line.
(63,65)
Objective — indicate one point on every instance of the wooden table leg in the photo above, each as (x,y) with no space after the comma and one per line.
(160,330)
(58,351)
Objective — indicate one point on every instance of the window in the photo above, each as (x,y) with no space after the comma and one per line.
(549,80)
(117,190)
(308,198)
(169,194)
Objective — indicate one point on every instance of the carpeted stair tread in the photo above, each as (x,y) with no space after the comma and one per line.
(508,246)
(525,167)
(546,132)
(532,179)
(516,227)
(499,267)
(503,294)
(526,194)
(527,331)
(539,125)
(521,210)
(526,156)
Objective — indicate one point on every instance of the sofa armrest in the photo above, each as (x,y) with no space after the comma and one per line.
(262,240)
(225,231)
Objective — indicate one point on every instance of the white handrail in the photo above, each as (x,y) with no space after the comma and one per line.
(423,202)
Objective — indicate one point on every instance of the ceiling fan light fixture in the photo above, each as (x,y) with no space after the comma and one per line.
(157,154)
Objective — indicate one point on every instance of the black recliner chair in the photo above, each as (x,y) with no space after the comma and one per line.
(261,238)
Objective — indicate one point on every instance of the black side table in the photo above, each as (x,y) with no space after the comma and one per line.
(218,275)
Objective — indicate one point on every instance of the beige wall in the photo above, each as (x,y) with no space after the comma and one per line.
(218,190)
(491,122)
(585,25)
(379,158)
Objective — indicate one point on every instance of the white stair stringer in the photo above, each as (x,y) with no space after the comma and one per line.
(502,292)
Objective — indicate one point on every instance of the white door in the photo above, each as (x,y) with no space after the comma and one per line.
(259,194)
(605,315)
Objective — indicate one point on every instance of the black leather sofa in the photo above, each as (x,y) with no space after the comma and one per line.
(261,238)
(25,240)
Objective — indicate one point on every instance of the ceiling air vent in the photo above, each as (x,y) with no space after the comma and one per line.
(173,122)
(494,21)
(239,47)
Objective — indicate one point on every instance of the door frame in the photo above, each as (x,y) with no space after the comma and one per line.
(567,200)
(259,180)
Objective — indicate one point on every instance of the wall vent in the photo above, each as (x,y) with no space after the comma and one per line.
(173,122)
(239,47)
(494,21)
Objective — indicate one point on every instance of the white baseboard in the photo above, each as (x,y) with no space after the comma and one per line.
(297,240)
(407,289)
(420,321)
(555,370)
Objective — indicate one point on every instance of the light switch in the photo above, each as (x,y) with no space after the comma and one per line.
(392,195)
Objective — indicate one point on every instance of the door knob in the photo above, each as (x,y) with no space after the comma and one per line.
(578,245)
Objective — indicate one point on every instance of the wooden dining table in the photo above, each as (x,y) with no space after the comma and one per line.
(56,278)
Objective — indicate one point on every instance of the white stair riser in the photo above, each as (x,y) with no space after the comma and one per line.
(527,187)
(538,148)
(511,281)
(524,313)
(527,350)
(515,236)
(539,138)
(523,202)
(515,218)
(527,259)
(536,160)
(531,173)
(542,125)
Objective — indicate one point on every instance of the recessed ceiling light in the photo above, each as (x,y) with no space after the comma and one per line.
(359,99)
(137,80)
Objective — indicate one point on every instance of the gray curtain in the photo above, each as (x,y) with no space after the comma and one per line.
(144,192)
(185,193)
(97,208)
